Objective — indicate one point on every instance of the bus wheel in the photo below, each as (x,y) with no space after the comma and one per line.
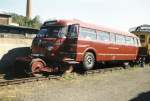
(88,61)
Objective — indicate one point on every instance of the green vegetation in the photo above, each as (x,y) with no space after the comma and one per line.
(69,76)
(24,21)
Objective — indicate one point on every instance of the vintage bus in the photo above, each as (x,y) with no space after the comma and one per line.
(74,42)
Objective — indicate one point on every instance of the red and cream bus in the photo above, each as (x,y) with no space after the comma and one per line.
(73,41)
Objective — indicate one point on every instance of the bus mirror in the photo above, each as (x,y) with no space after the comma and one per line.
(73,31)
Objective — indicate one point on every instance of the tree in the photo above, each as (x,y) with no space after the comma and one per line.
(24,21)
(36,22)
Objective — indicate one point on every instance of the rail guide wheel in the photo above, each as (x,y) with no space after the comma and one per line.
(36,66)
(69,69)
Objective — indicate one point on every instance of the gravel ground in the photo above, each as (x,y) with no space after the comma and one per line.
(121,85)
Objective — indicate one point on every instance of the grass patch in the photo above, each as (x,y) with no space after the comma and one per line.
(10,98)
(69,76)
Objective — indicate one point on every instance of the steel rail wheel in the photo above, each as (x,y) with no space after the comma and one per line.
(36,66)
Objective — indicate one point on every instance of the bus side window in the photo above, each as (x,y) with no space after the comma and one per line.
(120,39)
(103,36)
(88,34)
(112,38)
(129,40)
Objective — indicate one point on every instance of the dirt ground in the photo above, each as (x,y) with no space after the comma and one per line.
(121,85)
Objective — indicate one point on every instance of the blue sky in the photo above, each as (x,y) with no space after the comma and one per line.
(119,14)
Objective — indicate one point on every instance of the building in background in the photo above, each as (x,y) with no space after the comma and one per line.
(5,19)
(143,32)
(9,29)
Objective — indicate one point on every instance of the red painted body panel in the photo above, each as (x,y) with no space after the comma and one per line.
(43,49)
(103,52)
(106,51)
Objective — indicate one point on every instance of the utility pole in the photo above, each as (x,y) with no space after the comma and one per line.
(29,8)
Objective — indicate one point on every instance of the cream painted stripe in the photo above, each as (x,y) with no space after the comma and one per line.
(115,54)
(79,45)
(98,54)
(83,45)
(116,48)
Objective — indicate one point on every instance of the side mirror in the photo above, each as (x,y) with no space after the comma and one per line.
(73,31)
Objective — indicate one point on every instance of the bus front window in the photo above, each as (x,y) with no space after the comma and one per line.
(52,32)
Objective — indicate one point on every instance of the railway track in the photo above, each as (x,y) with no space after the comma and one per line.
(4,82)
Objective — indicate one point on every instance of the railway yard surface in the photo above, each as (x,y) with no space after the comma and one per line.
(120,85)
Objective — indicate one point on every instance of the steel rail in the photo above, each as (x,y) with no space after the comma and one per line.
(26,80)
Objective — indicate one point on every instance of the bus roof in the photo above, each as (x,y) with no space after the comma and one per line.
(93,26)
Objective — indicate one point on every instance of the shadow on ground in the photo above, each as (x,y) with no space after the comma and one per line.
(8,59)
(142,97)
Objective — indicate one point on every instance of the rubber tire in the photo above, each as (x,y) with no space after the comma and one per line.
(88,55)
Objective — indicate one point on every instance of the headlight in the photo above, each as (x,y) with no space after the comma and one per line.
(49,48)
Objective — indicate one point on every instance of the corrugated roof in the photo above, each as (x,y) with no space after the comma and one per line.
(23,27)
(4,14)
(141,28)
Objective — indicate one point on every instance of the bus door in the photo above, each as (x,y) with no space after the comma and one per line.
(69,45)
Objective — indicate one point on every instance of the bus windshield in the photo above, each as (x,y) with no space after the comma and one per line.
(53,32)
